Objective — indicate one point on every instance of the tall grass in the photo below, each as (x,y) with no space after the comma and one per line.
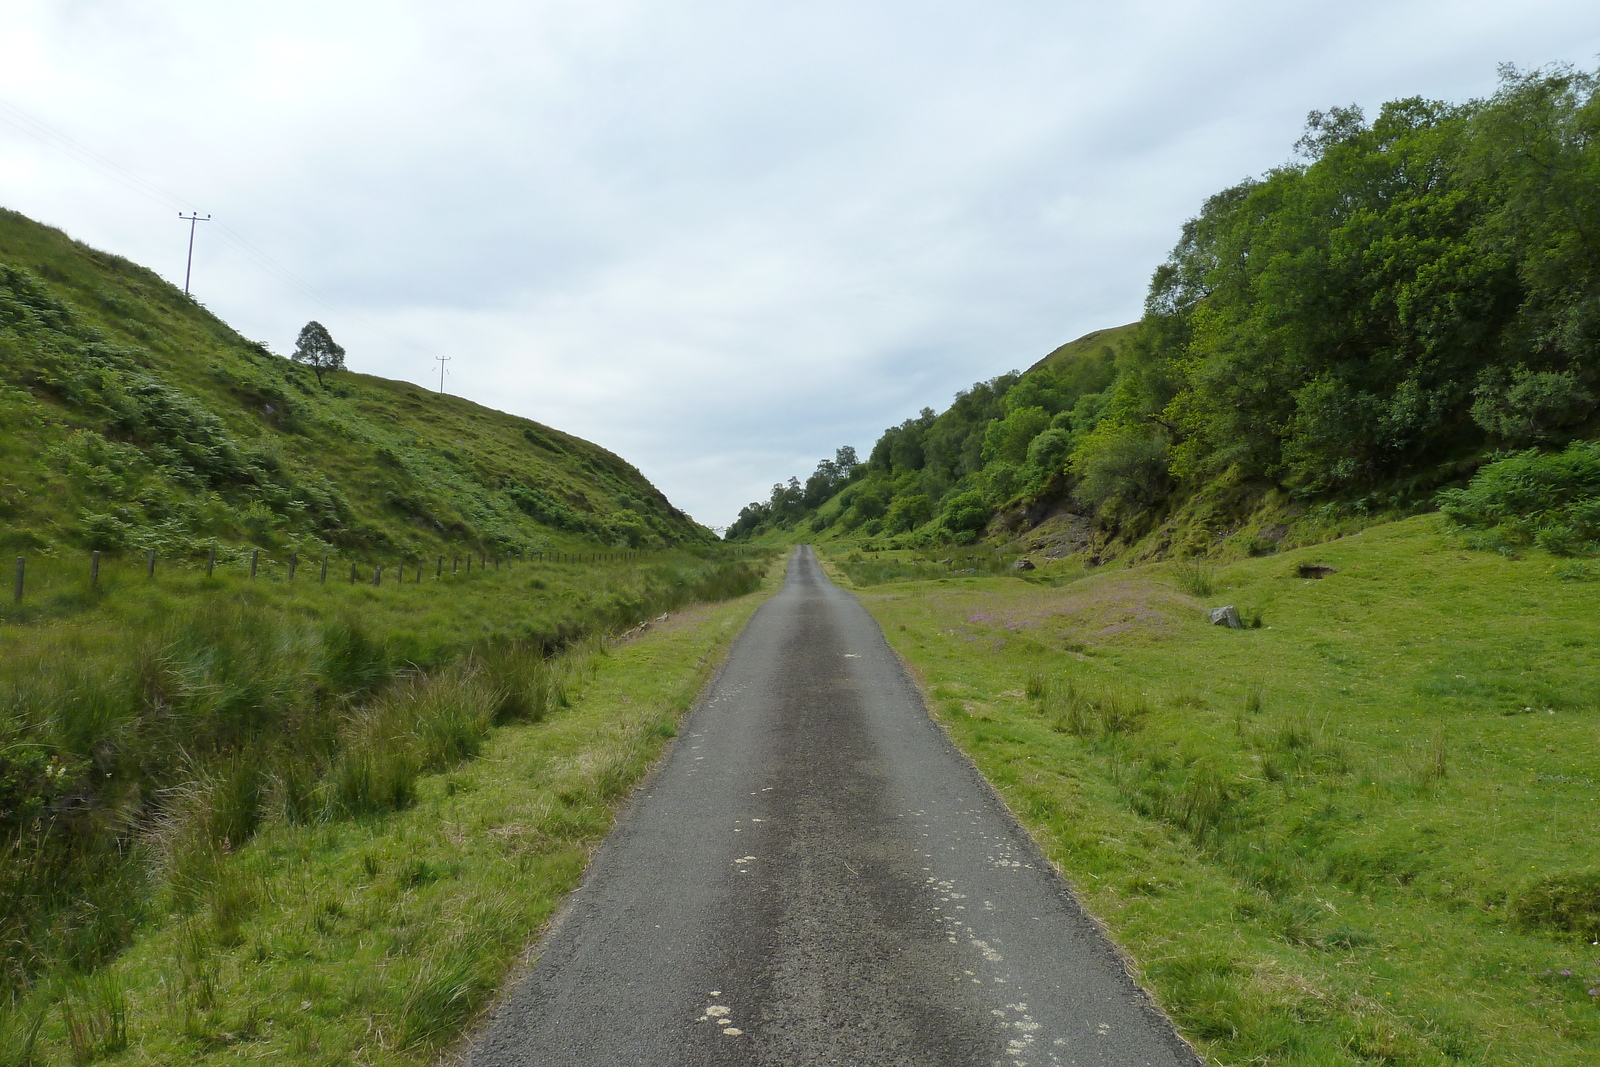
(135,758)
(95,1012)
(1091,713)
(1196,577)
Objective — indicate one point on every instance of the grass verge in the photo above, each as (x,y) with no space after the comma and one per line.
(373,938)
(1361,833)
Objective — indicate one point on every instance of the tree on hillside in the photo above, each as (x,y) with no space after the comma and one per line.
(316,348)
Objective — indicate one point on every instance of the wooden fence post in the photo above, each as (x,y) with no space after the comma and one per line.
(324,568)
(455,565)
(469,564)
(94,567)
(16,592)
(255,558)
(352,573)
(294,560)
(211,561)
(150,563)
(440,572)
(377,575)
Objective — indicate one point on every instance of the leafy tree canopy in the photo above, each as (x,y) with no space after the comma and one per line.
(1405,298)
(316,348)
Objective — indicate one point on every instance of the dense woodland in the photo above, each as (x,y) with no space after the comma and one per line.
(1410,298)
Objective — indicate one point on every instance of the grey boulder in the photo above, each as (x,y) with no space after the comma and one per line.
(1226,616)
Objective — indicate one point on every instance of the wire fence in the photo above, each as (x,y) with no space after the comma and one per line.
(57,574)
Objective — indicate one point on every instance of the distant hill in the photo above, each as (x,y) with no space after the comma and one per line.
(1105,343)
(942,475)
(131,417)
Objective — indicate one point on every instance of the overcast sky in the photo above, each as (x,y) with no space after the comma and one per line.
(719,238)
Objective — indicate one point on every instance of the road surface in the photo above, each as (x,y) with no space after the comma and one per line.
(814,875)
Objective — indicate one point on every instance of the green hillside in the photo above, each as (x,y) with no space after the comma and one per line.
(1410,299)
(1101,343)
(131,417)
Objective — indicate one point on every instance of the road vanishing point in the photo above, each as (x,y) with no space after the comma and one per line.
(815,875)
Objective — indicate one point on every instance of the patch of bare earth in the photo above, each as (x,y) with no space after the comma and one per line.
(1084,613)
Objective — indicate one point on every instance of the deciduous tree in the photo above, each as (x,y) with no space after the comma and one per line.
(317,349)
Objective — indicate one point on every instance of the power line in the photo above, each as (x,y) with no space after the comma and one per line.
(51,137)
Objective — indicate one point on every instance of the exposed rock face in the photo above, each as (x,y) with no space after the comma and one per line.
(1057,532)
(1226,616)
(1023,564)
(1317,570)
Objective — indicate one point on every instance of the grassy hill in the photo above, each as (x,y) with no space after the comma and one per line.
(1001,445)
(133,418)
(1100,344)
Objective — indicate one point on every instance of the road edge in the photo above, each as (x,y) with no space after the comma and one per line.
(708,671)
(1148,1002)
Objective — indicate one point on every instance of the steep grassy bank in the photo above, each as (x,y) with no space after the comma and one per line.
(154,730)
(132,418)
(373,938)
(1360,833)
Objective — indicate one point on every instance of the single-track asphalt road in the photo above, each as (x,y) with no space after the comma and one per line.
(814,875)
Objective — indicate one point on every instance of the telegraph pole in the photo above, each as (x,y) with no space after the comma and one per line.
(191,219)
(442,361)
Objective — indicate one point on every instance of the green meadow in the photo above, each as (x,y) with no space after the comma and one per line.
(1360,829)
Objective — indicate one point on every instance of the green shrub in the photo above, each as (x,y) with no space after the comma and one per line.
(907,513)
(1120,468)
(1548,498)
(1527,406)
(1049,451)
(966,513)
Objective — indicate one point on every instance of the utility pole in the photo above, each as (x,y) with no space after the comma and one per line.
(442,361)
(191,219)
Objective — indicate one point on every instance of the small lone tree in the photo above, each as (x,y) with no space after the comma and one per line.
(316,348)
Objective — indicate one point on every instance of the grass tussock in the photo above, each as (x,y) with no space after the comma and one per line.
(94,1014)
(1567,903)
(1083,712)
(1196,577)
